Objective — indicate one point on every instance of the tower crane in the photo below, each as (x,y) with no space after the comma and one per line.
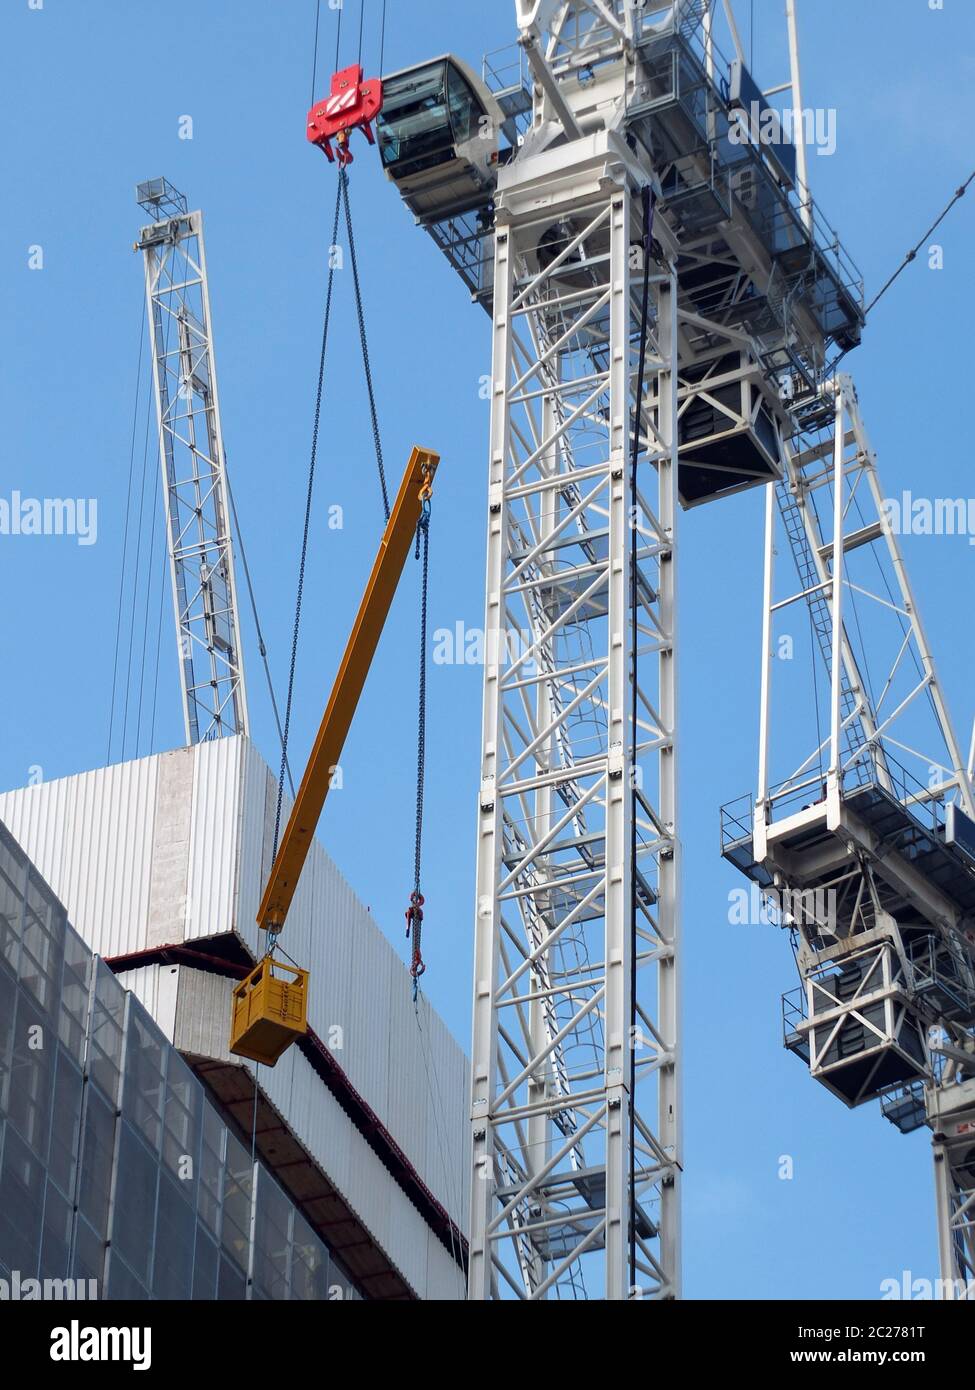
(866,848)
(194,467)
(270,1004)
(667,304)
(651,286)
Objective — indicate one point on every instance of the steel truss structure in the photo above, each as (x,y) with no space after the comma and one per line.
(887,713)
(193,465)
(576,1052)
(576,1049)
(576,1126)
(861,846)
(951,1114)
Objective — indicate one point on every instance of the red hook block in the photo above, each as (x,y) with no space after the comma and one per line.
(350,104)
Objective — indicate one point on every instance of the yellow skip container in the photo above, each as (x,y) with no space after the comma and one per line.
(270,1012)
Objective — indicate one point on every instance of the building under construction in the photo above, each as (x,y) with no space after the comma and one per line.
(243,1092)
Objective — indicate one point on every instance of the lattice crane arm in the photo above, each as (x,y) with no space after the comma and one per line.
(370,620)
(196,491)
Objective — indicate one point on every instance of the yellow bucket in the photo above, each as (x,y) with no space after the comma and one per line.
(269,1011)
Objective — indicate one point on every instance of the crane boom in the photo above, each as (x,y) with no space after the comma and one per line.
(394,547)
(194,467)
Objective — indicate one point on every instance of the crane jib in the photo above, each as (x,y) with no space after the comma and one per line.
(363,641)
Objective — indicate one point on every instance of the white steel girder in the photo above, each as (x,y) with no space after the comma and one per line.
(575,1093)
(887,724)
(956,1227)
(887,715)
(951,1115)
(194,479)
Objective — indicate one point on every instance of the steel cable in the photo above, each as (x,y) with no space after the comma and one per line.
(261,645)
(128,512)
(364,342)
(307,524)
(911,256)
(314,66)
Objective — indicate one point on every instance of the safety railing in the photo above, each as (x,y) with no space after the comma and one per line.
(794,1014)
(782,222)
(939,967)
(737,820)
(904,1107)
(871,766)
(507,76)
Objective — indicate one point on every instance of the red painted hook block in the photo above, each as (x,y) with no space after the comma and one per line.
(351,104)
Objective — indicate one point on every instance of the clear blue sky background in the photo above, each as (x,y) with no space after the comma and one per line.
(91,95)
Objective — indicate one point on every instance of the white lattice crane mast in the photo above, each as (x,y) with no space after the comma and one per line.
(628,111)
(576,1134)
(193,465)
(866,849)
(887,1007)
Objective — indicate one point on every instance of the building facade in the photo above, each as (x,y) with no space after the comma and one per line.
(117,1173)
(358,1131)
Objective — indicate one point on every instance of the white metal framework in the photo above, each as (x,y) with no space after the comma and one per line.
(576,1125)
(886,713)
(193,466)
(951,1113)
(576,1052)
(866,846)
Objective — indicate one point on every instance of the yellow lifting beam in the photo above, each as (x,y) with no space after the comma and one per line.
(394,547)
(270,1012)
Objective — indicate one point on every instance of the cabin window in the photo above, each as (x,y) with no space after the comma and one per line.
(426,112)
(465,109)
(414,123)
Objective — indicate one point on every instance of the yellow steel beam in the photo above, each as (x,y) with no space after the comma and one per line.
(359,652)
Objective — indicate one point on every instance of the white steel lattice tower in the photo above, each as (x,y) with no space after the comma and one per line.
(866,849)
(576,1124)
(951,1114)
(576,1051)
(193,464)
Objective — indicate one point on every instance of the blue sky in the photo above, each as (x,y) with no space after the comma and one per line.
(92,95)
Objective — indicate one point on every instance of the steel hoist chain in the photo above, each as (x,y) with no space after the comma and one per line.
(414,913)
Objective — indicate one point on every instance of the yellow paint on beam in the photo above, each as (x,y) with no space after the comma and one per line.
(347,690)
